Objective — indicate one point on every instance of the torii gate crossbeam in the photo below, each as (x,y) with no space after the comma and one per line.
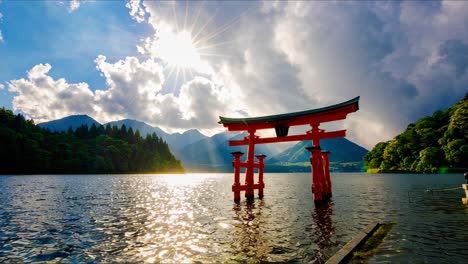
(321,184)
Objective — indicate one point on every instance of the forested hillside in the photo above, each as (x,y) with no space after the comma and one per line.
(434,143)
(26,148)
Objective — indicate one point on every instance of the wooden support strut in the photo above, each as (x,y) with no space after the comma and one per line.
(236,185)
(261,167)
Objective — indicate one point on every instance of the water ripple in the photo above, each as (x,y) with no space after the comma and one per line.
(191,218)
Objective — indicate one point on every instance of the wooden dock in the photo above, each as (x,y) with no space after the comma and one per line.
(345,253)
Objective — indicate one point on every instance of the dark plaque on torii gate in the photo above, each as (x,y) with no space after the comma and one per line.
(321,184)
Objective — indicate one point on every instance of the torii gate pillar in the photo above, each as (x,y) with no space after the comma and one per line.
(317,173)
(249,175)
(326,173)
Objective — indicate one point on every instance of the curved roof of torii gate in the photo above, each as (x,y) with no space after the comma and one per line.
(313,116)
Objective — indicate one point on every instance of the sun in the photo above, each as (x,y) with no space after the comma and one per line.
(178,50)
(189,47)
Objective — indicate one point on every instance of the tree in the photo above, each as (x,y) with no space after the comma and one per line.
(430,160)
(27,148)
(433,141)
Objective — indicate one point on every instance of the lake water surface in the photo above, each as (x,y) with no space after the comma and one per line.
(191,218)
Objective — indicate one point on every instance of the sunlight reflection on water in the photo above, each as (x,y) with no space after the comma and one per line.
(191,218)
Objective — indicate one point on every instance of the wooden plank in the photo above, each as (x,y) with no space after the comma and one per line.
(293,122)
(313,116)
(345,252)
(243,187)
(308,136)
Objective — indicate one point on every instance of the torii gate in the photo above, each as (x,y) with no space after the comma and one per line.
(321,184)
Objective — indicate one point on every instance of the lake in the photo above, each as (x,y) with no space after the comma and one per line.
(192,218)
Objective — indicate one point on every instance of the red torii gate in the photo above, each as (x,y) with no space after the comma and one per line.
(321,184)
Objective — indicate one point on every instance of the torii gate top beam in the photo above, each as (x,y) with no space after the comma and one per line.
(313,116)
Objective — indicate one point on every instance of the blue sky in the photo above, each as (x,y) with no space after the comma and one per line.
(46,32)
(179,65)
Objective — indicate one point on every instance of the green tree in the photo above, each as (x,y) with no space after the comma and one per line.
(433,141)
(26,148)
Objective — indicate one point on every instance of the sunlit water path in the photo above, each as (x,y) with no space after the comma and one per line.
(190,218)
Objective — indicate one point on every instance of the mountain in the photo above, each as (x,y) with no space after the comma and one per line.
(175,141)
(144,128)
(72,121)
(214,153)
(342,150)
(201,153)
(437,143)
(180,140)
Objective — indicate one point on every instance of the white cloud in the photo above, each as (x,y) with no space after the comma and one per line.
(137,10)
(132,87)
(43,98)
(1,35)
(133,91)
(301,55)
(2,86)
(405,59)
(73,5)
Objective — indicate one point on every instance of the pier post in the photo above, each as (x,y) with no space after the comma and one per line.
(236,185)
(326,174)
(261,167)
(465,199)
(317,188)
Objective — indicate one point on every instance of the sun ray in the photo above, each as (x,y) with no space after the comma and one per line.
(176,21)
(191,72)
(175,80)
(186,15)
(171,71)
(216,44)
(184,47)
(184,78)
(223,28)
(216,55)
(195,36)
(195,22)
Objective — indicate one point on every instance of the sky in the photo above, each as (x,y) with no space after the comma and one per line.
(180,65)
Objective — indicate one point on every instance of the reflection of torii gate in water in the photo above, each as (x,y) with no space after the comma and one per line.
(321,184)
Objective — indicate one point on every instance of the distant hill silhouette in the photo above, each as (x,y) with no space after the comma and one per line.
(144,128)
(175,141)
(214,153)
(201,153)
(342,150)
(72,121)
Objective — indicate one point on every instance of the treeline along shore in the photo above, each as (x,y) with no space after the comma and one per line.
(26,148)
(433,144)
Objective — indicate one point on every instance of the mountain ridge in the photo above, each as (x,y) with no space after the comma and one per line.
(73,121)
(202,153)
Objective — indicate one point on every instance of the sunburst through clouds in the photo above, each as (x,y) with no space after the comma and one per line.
(186,45)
